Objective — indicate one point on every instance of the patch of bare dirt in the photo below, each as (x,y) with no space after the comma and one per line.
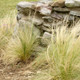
(15,72)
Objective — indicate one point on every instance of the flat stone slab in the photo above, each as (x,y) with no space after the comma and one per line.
(57,16)
(59,9)
(75,13)
(72,3)
(45,11)
(25,5)
(46,1)
(59,3)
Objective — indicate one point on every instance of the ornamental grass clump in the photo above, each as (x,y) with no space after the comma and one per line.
(62,56)
(6,29)
(21,46)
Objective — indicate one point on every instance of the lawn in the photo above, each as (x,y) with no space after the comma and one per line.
(7,5)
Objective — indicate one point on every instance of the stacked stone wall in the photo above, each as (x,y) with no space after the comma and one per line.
(46,15)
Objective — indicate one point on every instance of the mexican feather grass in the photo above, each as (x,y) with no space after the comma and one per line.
(62,56)
(21,46)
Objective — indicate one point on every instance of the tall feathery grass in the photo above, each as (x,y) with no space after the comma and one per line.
(16,43)
(21,46)
(62,56)
(6,28)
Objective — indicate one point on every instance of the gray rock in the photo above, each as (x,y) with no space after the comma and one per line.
(43,8)
(72,3)
(37,21)
(23,24)
(47,25)
(45,11)
(46,1)
(58,3)
(25,5)
(71,18)
(58,9)
(47,29)
(36,31)
(40,4)
(19,16)
(75,13)
(77,2)
(48,19)
(56,15)
(69,3)
(46,38)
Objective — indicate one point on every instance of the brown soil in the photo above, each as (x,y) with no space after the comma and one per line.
(15,72)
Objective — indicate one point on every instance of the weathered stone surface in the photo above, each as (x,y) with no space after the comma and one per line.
(45,11)
(71,18)
(23,24)
(72,3)
(46,16)
(77,2)
(37,31)
(25,5)
(75,13)
(37,21)
(57,16)
(46,38)
(40,4)
(47,25)
(46,29)
(46,1)
(48,19)
(43,8)
(59,9)
(69,3)
(59,3)
(19,16)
